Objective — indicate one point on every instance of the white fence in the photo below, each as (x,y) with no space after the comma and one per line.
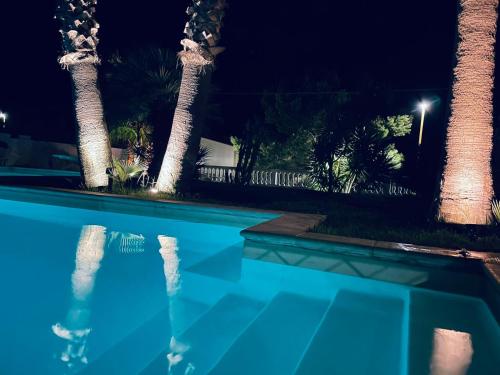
(262,178)
(277,178)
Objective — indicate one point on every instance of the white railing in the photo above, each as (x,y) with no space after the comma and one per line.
(262,178)
(288,179)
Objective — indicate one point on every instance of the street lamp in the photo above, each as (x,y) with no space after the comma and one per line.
(3,117)
(423,106)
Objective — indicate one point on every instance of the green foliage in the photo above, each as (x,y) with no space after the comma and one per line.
(201,159)
(139,83)
(124,172)
(249,148)
(495,210)
(359,156)
(123,135)
(293,124)
(136,137)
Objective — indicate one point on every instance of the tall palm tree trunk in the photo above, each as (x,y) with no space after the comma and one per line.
(79,30)
(467,188)
(200,49)
(92,135)
(178,166)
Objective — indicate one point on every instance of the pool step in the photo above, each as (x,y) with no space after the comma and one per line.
(274,342)
(447,336)
(359,334)
(142,345)
(225,265)
(210,336)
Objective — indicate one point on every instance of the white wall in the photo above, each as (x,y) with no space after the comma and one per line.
(22,151)
(220,154)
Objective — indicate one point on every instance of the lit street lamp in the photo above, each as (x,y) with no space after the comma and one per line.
(3,117)
(423,106)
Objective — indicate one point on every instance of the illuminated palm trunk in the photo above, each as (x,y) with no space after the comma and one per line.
(202,33)
(92,135)
(79,30)
(467,188)
(178,166)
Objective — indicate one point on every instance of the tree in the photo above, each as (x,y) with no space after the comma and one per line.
(200,49)
(293,124)
(142,87)
(358,156)
(248,147)
(79,42)
(136,136)
(467,187)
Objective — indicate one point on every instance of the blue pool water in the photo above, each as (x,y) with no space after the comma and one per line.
(94,292)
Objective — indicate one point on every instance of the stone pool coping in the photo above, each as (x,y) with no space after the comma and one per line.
(293,229)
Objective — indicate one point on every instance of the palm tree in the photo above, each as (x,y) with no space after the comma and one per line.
(142,85)
(200,49)
(136,137)
(467,188)
(79,41)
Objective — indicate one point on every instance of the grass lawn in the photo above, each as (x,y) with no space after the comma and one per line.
(396,219)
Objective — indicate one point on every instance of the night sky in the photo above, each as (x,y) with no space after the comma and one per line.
(406,46)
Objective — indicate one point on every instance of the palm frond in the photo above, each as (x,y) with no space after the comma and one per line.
(123,135)
(495,210)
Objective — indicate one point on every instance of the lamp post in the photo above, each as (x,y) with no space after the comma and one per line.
(423,106)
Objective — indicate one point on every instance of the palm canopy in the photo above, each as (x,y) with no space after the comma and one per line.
(203,27)
(78,30)
(139,83)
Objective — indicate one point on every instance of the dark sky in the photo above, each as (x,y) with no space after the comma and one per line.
(404,44)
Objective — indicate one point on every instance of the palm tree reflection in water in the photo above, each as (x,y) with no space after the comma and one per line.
(76,329)
(177,349)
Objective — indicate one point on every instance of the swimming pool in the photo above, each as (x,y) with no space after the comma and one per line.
(36,172)
(98,292)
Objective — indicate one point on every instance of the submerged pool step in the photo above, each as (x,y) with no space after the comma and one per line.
(204,343)
(360,334)
(275,341)
(451,334)
(141,346)
(224,265)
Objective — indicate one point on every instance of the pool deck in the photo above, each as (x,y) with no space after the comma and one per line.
(293,229)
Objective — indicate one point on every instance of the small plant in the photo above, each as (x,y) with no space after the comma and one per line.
(124,172)
(136,137)
(201,159)
(495,210)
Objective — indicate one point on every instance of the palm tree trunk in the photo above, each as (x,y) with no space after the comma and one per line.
(467,188)
(92,137)
(178,167)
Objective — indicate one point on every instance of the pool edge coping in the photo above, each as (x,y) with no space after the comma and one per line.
(384,250)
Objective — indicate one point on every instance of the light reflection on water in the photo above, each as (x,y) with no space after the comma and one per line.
(169,252)
(76,326)
(90,251)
